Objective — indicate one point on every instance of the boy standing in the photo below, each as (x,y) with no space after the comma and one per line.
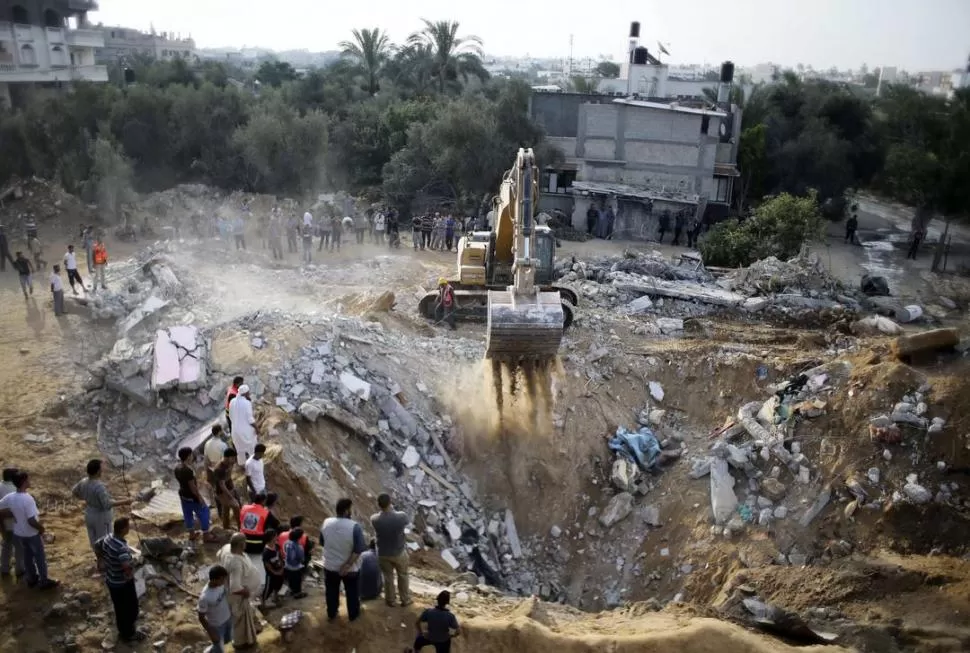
(293,555)
(214,613)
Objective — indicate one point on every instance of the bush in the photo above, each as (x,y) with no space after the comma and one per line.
(779,228)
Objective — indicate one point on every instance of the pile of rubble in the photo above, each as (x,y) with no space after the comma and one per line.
(643,284)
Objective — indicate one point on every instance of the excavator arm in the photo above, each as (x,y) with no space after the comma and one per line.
(524,323)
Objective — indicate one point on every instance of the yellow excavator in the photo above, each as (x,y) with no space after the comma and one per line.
(505,275)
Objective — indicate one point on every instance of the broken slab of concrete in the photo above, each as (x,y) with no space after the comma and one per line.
(619,507)
(168,283)
(926,342)
(355,386)
(180,359)
(136,388)
(684,290)
(149,307)
(197,438)
(512,533)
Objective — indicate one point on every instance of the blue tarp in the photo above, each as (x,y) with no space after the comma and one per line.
(640,447)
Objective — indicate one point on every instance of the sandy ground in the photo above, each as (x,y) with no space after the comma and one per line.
(45,357)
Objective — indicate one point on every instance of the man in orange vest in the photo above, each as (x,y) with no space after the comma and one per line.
(252,524)
(445,307)
(100,256)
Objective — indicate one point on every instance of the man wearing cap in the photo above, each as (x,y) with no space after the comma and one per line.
(243,424)
(444,308)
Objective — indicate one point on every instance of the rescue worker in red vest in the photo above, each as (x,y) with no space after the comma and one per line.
(296,521)
(100,256)
(445,306)
(230,395)
(252,524)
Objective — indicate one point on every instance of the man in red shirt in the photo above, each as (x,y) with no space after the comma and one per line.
(445,307)
(230,395)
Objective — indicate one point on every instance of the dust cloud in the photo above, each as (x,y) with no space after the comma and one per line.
(493,401)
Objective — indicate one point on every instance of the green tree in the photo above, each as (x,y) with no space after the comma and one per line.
(452,57)
(370,48)
(608,69)
(752,161)
(275,73)
(110,181)
(779,227)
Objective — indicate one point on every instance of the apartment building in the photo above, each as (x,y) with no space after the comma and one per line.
(47,43)
(122,43)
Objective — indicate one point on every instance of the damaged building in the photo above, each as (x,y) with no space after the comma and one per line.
(642,157)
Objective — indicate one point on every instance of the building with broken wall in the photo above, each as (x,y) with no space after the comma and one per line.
(641,158)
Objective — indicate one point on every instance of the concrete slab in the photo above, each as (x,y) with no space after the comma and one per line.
(150,306)
(355,386)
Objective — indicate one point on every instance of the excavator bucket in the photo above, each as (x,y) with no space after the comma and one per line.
(523,327)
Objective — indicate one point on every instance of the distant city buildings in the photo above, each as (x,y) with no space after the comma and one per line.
(46,44)
(121,43)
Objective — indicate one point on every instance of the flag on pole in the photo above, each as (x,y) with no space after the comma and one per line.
(660,46)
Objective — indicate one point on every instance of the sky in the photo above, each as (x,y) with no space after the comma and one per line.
(927,35)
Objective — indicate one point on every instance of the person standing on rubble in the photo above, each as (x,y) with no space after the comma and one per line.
(851,225)
(212,452)
(25,270)
(592,215)
(57,290)
(389,524)
(307,244)
(449,232)
(255,473)
(29,531)
(239,232)
(243,432)
(393,228)
(678,227)
(416,222)
(361,223)
(36,250)
(98,515)
(87,242)
(70,264)
(193,505)
(11,545)
(324,230)
(427,227)
(100,255)
(380,221)
(343,541)
(337,231)
(244,581)
(227,500)
(276,237)
(663,223)
(119,577)
(230,395)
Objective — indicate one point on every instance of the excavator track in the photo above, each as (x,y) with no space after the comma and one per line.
(523,327)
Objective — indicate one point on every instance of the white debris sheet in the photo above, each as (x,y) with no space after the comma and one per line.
(180,357)
(164,508)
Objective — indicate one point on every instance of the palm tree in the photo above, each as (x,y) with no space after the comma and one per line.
(411,68)
(370,48)
(451,56)
(737,95)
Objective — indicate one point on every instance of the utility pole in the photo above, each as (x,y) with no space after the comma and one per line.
(569,71)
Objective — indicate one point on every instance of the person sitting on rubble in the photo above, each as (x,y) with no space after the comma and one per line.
(436,627)
(371,580)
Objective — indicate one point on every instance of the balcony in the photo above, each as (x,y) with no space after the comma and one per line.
(10,73)
(85,38)
(23,33)
(55,35)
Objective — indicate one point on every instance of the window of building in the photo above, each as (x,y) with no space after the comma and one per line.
(58,56)
(27,55)
(705,124)
(18,14)
(52,19)
(722,189)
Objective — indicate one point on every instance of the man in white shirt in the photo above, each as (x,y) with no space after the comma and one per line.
(243,424)
(11,545)
(70,264)
(29,532)
(212,454)
(307,219)
(379,222)
(57,290)
(255,477)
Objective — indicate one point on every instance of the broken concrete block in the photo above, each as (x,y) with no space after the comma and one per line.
(656,391)
(150,306)
(318,373)
(617,509)
(454,531)
(410,457)
(311,411)
(450,558)
(179,359)
(700,467)
(638,305)
(723,499)
(624,475)
(773,489)
(355,386)
(297,390)
(670,325)
(512,533)
(136,388)
(754,304)
(651,515)
(925,342)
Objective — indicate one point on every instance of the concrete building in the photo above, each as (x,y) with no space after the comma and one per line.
(123,42)
(46,43)
(642,158)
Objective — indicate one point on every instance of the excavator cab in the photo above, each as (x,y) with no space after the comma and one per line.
(525,324)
